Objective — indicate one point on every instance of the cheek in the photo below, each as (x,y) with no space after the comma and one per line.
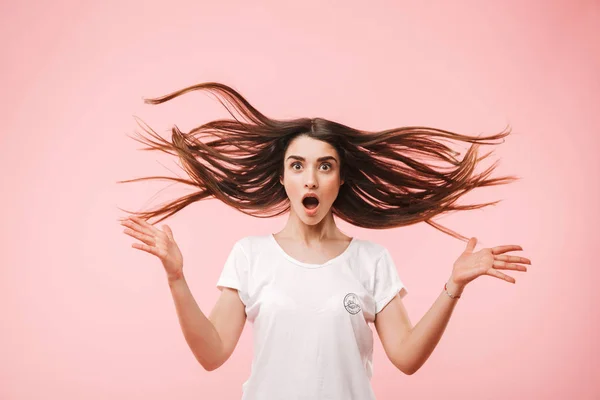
(293,188)
(331,189)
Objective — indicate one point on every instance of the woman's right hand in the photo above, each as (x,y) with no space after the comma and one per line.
(157,242)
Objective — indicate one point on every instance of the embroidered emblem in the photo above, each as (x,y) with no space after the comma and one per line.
(351,303)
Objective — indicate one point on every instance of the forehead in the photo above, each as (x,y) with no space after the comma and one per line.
(310,148)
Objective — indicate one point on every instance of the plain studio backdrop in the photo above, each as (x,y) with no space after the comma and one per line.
(86,316)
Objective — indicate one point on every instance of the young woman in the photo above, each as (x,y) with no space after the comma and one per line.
(310,291)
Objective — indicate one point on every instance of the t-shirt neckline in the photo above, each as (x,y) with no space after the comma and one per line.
(308,265)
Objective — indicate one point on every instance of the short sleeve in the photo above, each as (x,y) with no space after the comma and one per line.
(387,281)
(235,272)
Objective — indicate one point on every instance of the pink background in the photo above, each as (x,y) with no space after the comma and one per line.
(86,316)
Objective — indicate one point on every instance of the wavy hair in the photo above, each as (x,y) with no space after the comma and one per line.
(388,180)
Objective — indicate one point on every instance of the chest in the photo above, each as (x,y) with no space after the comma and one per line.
(287,292)
(314,255)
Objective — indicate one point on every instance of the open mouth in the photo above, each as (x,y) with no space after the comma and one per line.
(310,203)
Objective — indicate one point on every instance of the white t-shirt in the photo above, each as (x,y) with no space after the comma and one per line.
(310,321)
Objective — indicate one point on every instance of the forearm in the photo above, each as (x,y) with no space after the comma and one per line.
(199,332)
(426,334)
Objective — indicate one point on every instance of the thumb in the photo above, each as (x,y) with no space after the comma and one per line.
(168,231)
(471,244)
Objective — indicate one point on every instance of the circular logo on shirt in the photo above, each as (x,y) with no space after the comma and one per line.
(351,303)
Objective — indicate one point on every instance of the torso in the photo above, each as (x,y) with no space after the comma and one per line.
(320,255)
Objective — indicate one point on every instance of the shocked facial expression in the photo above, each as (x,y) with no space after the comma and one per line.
(311,167)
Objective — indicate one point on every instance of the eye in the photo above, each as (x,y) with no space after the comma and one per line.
(298,163)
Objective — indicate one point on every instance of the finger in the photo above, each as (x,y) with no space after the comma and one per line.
(505,265)
(504,249)
(518,259)
(471,244)
(146,248)
(149,240)
(135,226)
(144,223)
(144,226)
(500,275)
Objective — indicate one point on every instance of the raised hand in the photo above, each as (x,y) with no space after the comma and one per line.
(486,261)
(157,242)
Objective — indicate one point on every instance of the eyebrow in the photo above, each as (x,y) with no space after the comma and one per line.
(318,159)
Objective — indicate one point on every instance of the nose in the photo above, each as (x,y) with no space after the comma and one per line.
(311,184)
(311,180)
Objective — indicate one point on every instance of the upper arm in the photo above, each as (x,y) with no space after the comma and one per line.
(228,317)
(393,326)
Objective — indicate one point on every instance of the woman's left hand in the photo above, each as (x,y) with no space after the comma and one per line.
(487,261)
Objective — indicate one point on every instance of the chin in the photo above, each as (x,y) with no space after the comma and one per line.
(312,221)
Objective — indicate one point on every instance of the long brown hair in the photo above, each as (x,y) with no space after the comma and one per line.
(388,182)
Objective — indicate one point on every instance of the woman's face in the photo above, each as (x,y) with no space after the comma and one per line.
(311,165)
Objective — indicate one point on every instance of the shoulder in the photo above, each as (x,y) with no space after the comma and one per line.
(252,244)
(369,249)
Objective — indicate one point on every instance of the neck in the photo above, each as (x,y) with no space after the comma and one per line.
(296,229)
